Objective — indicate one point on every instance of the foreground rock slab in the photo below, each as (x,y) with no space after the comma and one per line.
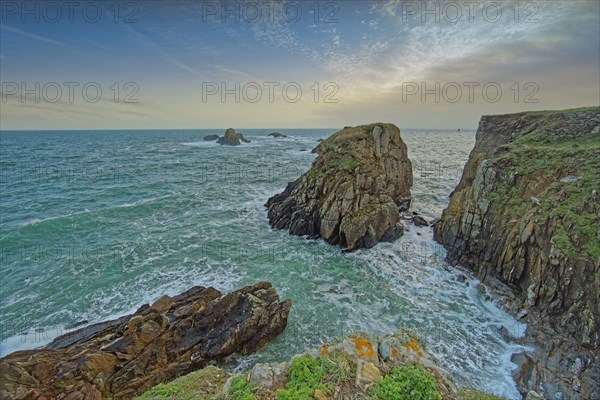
(158,343)
(353,194)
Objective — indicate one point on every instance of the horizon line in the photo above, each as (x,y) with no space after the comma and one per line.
(191,129)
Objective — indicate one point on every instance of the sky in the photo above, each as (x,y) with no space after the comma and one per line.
(291,64)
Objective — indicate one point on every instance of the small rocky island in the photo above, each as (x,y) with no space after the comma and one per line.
(277,135)
(230,138)
(159,342)
(526,212)
(354,192)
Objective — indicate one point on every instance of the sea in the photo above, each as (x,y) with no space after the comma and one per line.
(96,223)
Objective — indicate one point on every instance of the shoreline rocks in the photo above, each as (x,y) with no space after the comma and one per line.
(210,138)
(515,218)
(354,192)
(158,343)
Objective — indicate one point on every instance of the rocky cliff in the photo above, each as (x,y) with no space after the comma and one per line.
(121,358)
(526,211)
(353,192)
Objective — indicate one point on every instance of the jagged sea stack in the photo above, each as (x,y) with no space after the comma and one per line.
(525,212)
(354,191)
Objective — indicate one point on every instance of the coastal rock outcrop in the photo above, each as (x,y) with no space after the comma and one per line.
(354,191)
(159,342)
(210,138)
(352,367)
(232,138)
(524,213)
(277,135)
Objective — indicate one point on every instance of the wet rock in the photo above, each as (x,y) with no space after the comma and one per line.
(277,135)
(124,357)
(420,221)
(352,194)
(211,137)
(242,138)
(232,138)
(77,324)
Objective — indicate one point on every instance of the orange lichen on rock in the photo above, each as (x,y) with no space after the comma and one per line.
(394,352)
(414,346)
(324,350)
(364,347)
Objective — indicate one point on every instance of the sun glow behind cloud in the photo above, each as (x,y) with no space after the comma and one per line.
(368,50)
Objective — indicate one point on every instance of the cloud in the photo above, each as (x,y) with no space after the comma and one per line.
(31,35)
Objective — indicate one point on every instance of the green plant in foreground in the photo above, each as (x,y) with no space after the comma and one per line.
(339,367)
(205,384)
(161,391)
(306,375)
(240,389)
(472,394)
(407,382)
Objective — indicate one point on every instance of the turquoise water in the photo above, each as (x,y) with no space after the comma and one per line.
(94,224)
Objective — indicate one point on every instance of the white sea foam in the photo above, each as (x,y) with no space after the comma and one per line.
(199,229)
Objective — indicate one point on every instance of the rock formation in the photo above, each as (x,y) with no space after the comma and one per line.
(231,138)
(210,138)
(124,357)
(240,136)
(524,213)
(353,192)
(277,135)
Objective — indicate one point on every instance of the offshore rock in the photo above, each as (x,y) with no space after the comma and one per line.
(124,357)
(277,135)
(516,218)
(353,194)
(232,138)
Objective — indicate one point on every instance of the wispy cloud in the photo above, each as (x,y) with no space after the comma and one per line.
(31,35)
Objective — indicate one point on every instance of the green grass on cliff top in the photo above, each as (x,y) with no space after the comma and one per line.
(550,112)
(546,158)
(343,152)
(205,384)
(328,373)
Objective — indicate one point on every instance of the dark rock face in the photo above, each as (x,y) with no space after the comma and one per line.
(420,221)
(122,358)
(514,216)
(242,138)
(354,191)
(210,138)
(231,138)
(277,135)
